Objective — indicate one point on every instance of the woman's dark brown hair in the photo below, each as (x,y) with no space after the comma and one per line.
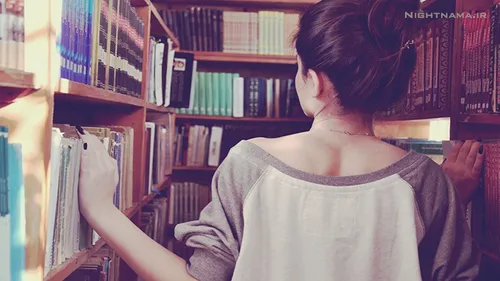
(359,45)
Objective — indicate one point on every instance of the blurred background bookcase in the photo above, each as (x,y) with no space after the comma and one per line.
(36,95)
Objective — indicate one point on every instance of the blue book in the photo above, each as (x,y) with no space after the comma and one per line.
(88,41)
(5,216)
(18,217)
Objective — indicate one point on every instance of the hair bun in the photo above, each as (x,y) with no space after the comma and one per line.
(387,22)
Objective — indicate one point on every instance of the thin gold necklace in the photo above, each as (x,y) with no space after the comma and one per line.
(350,134)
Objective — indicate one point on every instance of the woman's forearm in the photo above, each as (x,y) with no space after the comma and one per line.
(146,257)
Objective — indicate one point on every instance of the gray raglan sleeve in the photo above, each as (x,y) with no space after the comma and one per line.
(447,251)
(217,235)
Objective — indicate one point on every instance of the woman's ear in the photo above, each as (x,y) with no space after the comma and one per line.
(316,81)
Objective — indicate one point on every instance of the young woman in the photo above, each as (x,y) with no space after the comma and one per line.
(333,203)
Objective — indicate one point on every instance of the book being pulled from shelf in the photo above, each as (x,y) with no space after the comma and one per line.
(12,210)
(12,34)
(430,84)
(159,151)
(216,30)
(103,265)
(100,43)
(228,94)
(480,92)
(67,232)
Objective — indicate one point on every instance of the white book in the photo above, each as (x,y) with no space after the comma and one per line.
(214,148)
(151,126)
(152,66)
(192,94)
(159,50)
(3,34)
(238,100)
(55,156)
(168,74)
(5,247)
(171,204)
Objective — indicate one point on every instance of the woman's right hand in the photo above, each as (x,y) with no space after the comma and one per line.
(98,176)
(463,166)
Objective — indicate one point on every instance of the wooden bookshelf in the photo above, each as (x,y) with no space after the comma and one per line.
(81,92)
(35,88)
(484,119)
(425,115)
(185,117)
(155,108)
(10,78)
(65,269)
(244,58)
(193,168)
(15,84)
(157,25)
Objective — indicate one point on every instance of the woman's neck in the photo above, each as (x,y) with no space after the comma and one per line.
(350,124)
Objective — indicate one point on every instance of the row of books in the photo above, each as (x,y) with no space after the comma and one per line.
(432,149)
(481,63)
(101,43)
(103,265)
(228,94)
(12,34)
(12,210)
(216,30)
(187,200)
(430,84)
(67,232)
(159,150)
(488,205)
(171,73)
(197,145)
(154,219)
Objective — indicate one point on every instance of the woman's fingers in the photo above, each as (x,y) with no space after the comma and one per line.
(478,163)
(464,151)
(453,155)
(473,152)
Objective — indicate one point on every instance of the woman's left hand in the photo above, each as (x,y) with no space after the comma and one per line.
(463,166)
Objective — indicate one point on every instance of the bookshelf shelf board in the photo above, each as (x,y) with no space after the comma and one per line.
(184,117)
(158,187)
(15,84)
(155,108)
(193,168)
(418,116)
(486,119)
(70,265)
(162,184)
(244,58)
(71,89)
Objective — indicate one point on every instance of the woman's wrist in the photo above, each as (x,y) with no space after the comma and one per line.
(94,212)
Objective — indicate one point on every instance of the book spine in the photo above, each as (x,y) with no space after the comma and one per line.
(215,90)
(209,94)
(222,93)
